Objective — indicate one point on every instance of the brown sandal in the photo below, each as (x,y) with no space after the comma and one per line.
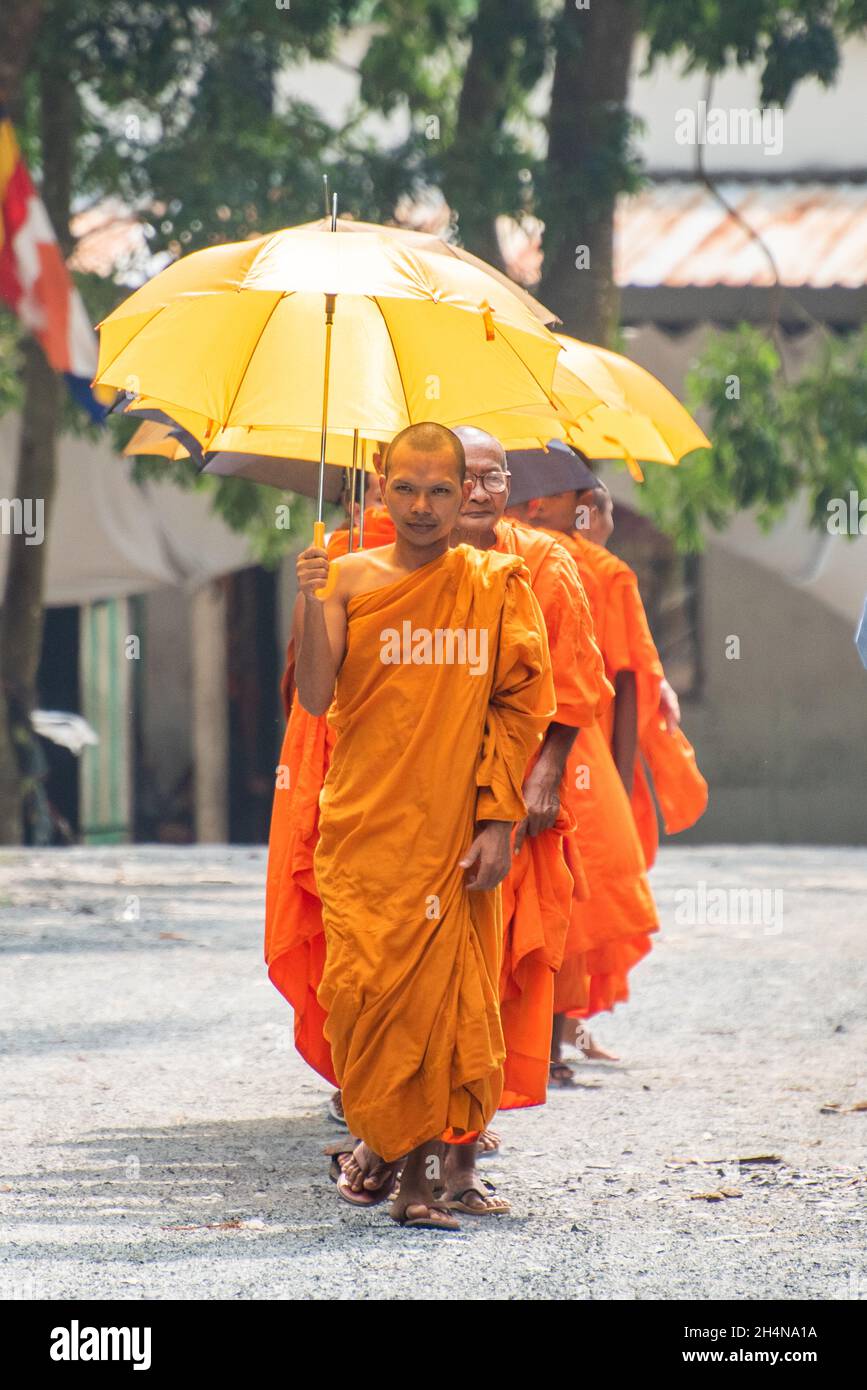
(494,1206)
(561,1074)
(426,1222)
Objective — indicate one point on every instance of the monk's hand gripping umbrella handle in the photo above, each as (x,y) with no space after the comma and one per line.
(319,542)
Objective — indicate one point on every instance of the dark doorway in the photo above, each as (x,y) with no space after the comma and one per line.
(57,684)
(255,717)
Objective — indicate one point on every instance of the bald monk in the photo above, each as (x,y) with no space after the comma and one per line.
(538,891)
(616,932)
(436,662)
(648,721)
(378,530)
(294,937)
(294,940)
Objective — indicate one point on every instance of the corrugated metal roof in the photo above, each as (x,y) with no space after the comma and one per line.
(678,234)
(673,233)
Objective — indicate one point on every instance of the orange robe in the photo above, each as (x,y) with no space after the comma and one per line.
(610,931)
(627,645)
(547,873)
(425,748)
(294,940)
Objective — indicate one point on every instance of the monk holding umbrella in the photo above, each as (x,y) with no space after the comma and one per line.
(406,866)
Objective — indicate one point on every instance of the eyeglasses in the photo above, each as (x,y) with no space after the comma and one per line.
(495,481)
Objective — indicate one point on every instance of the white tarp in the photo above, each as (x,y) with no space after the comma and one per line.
(109,538)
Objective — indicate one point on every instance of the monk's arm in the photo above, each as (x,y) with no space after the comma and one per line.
(488,857)
(669,706)
(320,633)
(542,786)
(624,741)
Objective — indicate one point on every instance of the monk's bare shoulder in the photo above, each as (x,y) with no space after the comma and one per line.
(363,570)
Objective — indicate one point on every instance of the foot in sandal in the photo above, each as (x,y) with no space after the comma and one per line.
(366,1179)
(561,1074)
(464,1189)
(416,1203)
(489,1143)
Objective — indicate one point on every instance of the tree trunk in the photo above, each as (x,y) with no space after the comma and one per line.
(19,25)
(482,110)
(22,610)
(587,166)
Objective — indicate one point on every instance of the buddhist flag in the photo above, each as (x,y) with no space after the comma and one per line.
(34,280)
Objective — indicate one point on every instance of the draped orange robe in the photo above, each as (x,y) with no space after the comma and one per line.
(424,750)
(547,873)
(610,930)
(627,645)
(546,877)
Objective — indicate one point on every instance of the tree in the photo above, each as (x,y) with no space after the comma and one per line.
(773,441)
(589,163)
(103,94)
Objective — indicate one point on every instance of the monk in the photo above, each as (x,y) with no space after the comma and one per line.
(539,889)
(378,530)
(615,854)
(610,929)
(647,730)
(436,661)
(294,940)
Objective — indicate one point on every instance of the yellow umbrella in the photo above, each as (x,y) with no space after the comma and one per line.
(316,329)
(649,423)
(152,437)
(427,241)
(237,335)
(594,412)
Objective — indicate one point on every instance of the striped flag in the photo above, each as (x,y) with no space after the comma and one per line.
(34,279)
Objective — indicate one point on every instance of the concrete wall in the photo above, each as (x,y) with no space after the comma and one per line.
(781,733)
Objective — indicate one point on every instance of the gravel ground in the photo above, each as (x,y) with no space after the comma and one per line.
(161,1139)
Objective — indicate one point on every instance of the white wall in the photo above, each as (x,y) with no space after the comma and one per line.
(823,128)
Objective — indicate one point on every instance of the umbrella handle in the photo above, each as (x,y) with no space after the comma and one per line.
(319,542)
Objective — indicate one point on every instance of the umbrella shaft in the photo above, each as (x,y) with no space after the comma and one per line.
(352,487)
(329,324)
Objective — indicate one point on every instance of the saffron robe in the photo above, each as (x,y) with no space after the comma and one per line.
(546,874)
(627,645)
(423,752)
(610,930)
(294,939)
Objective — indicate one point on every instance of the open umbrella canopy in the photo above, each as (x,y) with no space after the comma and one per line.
(427,241)
(640,418)
(237,335)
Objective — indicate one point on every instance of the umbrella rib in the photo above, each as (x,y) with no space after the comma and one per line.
(396,358)
(549,395)
(281,296)
(123,347)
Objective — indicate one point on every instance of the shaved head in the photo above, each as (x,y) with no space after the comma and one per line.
(594,496)
(595,513)
(482,509)
(427,437)
(479,445)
